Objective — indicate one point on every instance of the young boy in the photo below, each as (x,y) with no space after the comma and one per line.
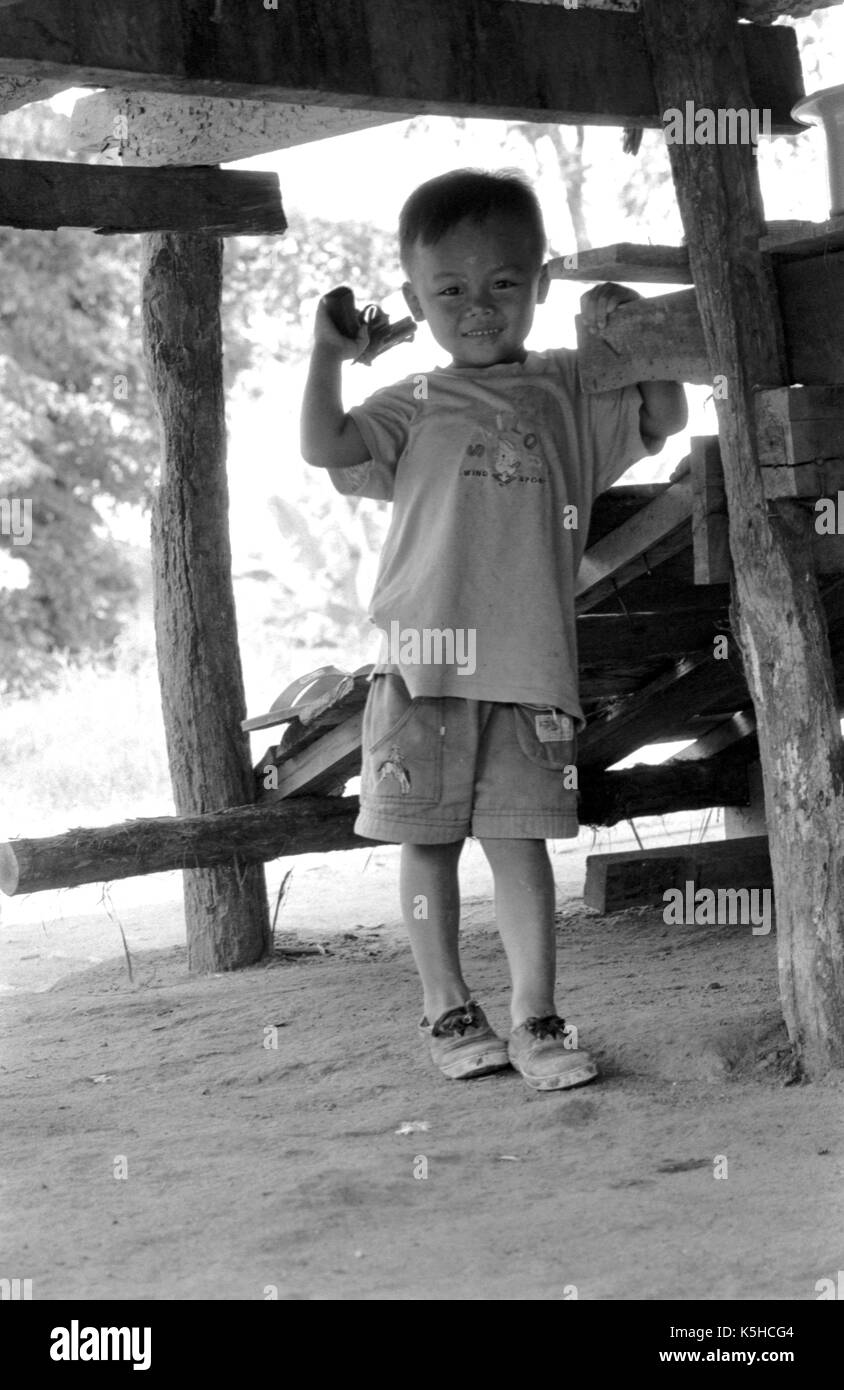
(492,464)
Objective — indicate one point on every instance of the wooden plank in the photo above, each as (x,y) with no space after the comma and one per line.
(44,194)
(142,128)
(800,431)
(661,338)
(811,293)
(626,262)
(710,523)
(654,339)
(691,684)
(621,639)
(562,65)
(757,11)
(739,728)
(641,877)
(22,91)
(326,763)
(661,519)
(798,238)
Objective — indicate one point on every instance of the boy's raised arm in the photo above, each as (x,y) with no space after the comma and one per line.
(664,410)
(329,437)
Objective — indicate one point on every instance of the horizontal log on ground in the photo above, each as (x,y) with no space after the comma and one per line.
(641,877)
(306,825)
(562,65)
(44,194)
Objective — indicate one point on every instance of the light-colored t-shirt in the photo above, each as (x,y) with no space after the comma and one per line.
(492,473)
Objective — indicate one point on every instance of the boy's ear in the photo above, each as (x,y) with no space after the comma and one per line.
(412,301)
(544,285)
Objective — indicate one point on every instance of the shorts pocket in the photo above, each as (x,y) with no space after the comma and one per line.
(542,737)
(402,746)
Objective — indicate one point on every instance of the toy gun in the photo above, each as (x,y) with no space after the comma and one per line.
(347,318)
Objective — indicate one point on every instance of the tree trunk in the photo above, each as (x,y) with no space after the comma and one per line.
(226,908)
(780,622)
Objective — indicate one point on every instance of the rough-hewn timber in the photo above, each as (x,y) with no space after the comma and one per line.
(779,615)
(199,667)
(477,58)
(43,194)
(237,840)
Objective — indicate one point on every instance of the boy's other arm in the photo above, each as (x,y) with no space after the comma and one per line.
(663,410)
(329,437)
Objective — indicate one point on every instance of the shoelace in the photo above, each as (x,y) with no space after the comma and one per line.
(551,1026)
(457,1021)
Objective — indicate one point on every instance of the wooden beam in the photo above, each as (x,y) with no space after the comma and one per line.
(710,523)
(641,877)
(22,91)
(326,763)
(226,909)
(779,617)
(662,337)
(142,128)
(662,523)
(801,440)
(43,194)
(757,11)
(622,639)
(406,56)
(627,262)
(690,685)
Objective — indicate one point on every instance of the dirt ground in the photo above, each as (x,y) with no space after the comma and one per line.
(157,1145)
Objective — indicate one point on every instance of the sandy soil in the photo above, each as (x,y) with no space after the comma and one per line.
(339,1165)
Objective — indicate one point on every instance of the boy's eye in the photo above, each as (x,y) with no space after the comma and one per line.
(450,289)
(504,284)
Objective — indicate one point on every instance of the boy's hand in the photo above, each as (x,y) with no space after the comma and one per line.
(327,336)
(602,300)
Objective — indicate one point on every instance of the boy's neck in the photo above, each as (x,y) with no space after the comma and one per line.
(516,359)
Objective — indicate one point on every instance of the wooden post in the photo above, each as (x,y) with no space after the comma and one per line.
(226,909)
(779,617)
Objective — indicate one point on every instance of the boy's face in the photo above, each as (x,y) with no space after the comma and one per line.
(478,288)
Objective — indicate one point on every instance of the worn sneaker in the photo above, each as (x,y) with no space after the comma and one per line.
(541,1049)
(463,1045)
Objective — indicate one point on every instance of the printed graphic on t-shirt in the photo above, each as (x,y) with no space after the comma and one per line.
(506,450)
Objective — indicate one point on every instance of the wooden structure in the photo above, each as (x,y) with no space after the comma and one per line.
(762,322)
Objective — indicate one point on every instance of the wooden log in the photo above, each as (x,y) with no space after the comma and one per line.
(780,620)
(233,842)
(237,840)
(609,797)
(43,194)
(641,877)
(226,909)
(710,523)
(142,128)
(562,65)
(660,528)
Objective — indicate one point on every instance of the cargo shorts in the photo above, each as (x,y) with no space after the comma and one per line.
(436,769)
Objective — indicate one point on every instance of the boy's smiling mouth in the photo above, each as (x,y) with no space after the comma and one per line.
(480,332)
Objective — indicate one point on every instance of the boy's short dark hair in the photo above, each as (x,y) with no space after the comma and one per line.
(436,207)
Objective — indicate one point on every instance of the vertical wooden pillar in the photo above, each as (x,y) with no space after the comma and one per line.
(695,56)
(226,909)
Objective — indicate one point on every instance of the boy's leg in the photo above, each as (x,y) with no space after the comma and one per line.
(430,904)
(524,911)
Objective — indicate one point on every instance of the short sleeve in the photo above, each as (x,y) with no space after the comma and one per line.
(617,437)
(384,421)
